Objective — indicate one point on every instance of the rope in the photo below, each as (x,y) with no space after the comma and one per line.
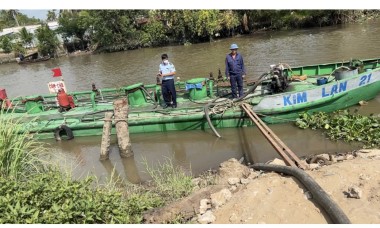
(221,108)
(100,93)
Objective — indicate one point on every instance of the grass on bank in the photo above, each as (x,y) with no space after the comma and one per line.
(33,192)
(170,181)
(19,156)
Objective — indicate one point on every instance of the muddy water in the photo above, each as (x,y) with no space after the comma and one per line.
(196,151)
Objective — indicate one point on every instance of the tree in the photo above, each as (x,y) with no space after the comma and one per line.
(154,33)
(73,24)
(47,40)
(11,18)
(207,23)
(18,48)
(51,15)
(13,14)
(6,44)
(115,30)
(229,20)
(25,36)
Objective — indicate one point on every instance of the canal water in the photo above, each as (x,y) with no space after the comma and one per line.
(196,151)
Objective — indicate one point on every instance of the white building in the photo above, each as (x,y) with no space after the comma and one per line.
(31,29)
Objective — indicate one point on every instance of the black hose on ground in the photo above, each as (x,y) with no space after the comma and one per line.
(319,195)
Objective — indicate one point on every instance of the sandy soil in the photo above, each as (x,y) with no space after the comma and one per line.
(246,196)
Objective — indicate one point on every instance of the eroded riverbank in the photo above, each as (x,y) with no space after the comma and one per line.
(247,196)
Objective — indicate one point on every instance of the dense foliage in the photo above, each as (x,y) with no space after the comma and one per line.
(5,44)
(53,198)
(117,30)
(48,42)
(114,30)
(34,191)
(345,126)
(25,37)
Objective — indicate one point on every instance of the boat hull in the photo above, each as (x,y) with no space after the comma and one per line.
(300,96)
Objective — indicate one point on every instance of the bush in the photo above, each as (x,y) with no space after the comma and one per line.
(54,198)
(33,193)
(6,45)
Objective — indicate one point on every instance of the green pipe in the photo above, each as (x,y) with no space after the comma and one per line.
(93,96)
(211,87)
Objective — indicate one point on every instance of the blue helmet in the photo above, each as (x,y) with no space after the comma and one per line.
(234,46)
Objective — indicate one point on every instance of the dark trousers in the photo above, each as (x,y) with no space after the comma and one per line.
(236,80)
(168,88)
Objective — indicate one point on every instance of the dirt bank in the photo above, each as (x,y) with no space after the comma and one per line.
(247,196)
(7,58)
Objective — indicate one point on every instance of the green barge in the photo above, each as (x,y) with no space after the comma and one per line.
(278,95)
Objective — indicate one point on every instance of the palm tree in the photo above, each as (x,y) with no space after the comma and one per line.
(51,15)
(48,42)
(13,13)
(25,36)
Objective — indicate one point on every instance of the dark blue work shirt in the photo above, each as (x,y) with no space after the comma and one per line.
(234,67)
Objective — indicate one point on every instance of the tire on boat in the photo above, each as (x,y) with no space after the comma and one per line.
(63,130)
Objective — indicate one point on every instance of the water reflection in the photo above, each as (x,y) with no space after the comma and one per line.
(195,151)
(130,170)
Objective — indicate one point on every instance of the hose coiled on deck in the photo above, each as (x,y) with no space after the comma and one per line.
(319,195)
(212,103)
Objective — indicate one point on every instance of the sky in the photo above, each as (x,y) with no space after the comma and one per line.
(40,14)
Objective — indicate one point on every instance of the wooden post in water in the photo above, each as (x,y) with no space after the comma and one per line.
(106,137)
(121,123)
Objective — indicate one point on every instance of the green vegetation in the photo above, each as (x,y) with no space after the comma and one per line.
(18,154)
(34,192)
(345,126)
(48,42)
(170,182)
(73,24)
(54,198)
(25,37)
(5,44)
(12,18)
(119,30)
(51,15)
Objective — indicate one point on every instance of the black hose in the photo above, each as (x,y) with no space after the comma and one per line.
(147,93)
(319,195)
(207,106)
(253,87)
(206,111)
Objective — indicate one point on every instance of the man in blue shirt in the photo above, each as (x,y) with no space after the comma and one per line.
(167,72)
(235,70)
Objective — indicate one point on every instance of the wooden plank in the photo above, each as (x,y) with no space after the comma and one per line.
(274,140)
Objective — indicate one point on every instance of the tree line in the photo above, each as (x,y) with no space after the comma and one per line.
(118,30)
